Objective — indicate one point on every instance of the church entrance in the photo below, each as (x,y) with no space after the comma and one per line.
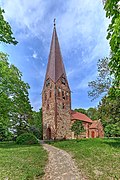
(93,134)
(48,133)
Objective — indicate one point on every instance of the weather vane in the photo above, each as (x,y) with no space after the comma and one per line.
(54,22)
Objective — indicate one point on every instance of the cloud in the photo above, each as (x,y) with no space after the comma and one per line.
(84,82)
(35,56)
(36,103)
(39,73)
(26,16)
(77,24)
(81,28)
(70,73)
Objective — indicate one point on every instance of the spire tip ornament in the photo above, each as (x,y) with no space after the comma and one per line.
(54,22)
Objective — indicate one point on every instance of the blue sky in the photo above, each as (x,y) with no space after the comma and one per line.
(81,28)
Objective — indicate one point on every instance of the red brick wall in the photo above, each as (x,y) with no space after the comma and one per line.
(91,133)
(63,101)
(98,131)
(86,127)
(56,109)
(48,109)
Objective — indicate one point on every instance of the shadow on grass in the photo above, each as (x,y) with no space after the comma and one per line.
(12,144)
(114,142)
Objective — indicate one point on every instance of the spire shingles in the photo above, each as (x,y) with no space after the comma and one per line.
(55,67)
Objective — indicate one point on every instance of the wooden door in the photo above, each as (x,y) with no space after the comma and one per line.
(93,134)
(49,133)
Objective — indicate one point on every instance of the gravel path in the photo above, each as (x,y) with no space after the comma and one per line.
(60,166)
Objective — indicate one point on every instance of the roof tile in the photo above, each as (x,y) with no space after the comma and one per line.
(80,116)
(55,67)
(94,125)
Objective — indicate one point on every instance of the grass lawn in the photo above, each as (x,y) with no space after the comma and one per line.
(99,159)
(21,162)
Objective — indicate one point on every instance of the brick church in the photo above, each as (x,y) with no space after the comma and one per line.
(57,115)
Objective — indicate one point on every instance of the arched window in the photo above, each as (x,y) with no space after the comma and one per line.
(47,82)
(67,96)
(63,106)
(63,80)
(63,95)
(59,90)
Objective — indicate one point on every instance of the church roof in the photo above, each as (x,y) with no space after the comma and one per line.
(80,116)
(55,67)
(95,124)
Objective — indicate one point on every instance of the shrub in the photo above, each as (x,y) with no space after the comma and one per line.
(26,138)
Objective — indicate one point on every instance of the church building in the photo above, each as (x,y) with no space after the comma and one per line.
(57,116)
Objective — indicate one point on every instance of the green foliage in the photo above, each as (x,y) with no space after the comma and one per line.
(5,134)
(5,30)
(26,138)
(15,108)
(112,130)
(109,108)
(108,112)
(98,159)
(103,82)
(81,110)
(77,128)
(36,124)
(22,162)
(92,113)
(2,132)
(112,9)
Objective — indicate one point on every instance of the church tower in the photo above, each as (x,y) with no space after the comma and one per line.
(56,96)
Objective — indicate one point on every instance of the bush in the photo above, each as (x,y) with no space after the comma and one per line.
(26,138)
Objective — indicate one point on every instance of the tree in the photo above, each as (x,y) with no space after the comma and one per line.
(112,130)
(22,112)
(112,8)
(77,128)
(108,112)
(2,132)
(103,82)
(5,30)
(36,124)
(92,113)
(15,108)
(81,110)
(5,102)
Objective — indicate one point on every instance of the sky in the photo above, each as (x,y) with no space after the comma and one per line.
(81,28)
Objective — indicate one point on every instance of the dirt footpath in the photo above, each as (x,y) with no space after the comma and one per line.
(60,165)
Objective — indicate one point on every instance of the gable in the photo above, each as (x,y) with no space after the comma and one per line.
(80,116)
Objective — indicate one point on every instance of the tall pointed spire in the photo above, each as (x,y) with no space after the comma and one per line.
(56,95)
(55,67)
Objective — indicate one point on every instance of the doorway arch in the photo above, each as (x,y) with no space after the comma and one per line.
(93,134)
(48,133)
